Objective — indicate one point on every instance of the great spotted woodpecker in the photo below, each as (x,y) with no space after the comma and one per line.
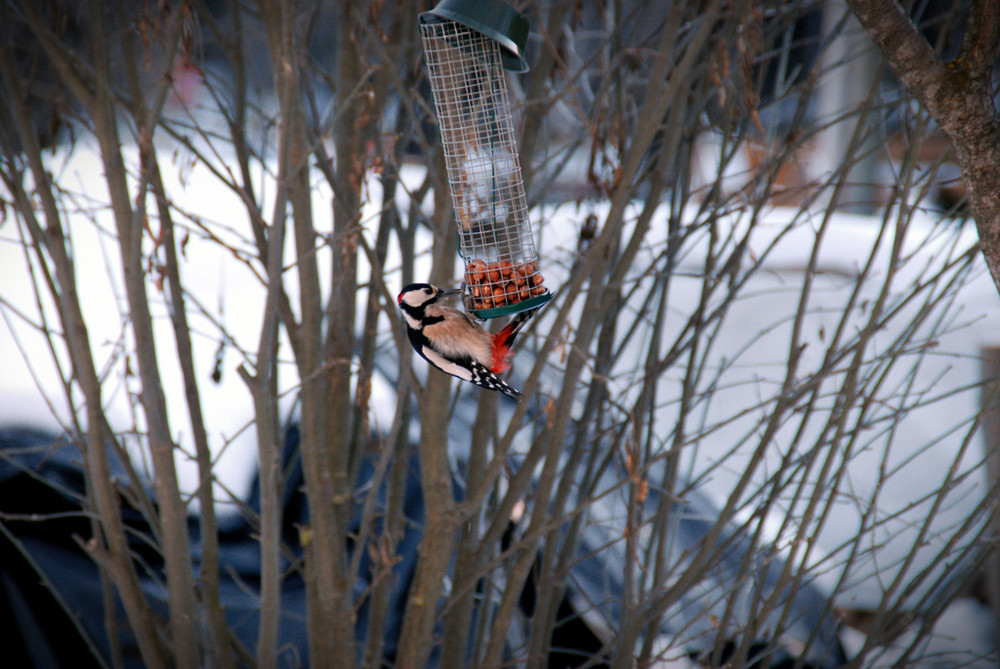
(456,344)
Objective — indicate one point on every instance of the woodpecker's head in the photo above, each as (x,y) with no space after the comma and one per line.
(416,296)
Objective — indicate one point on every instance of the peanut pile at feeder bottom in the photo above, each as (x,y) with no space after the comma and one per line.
(499,283)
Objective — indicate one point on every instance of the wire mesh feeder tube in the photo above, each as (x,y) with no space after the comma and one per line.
(477,133)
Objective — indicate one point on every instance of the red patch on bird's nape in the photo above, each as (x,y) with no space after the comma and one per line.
(399,299)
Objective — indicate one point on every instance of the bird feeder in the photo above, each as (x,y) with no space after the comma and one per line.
(467,45)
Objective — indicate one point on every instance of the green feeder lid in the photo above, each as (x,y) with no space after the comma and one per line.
(493,18)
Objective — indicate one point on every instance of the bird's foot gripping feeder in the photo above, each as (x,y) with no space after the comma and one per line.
(467,45)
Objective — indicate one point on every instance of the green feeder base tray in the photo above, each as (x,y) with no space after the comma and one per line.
(508,309)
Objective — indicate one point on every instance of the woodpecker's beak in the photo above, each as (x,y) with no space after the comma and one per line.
(449,292)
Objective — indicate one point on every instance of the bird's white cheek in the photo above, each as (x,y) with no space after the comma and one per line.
(412,322)
(446,365)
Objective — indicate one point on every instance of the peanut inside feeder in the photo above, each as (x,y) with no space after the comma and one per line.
(466,45)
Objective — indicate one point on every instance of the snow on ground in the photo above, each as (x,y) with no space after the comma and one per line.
(961,637)
(225,297)
(750,350)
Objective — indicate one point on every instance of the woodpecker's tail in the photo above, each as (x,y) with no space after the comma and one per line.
(504,339)
(511,391)
(485,378)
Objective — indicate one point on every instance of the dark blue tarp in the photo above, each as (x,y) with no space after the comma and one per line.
(52,597)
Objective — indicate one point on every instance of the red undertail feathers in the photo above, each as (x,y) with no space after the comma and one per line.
(504,339)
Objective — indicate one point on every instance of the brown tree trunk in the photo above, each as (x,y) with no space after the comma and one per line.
(958,94)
